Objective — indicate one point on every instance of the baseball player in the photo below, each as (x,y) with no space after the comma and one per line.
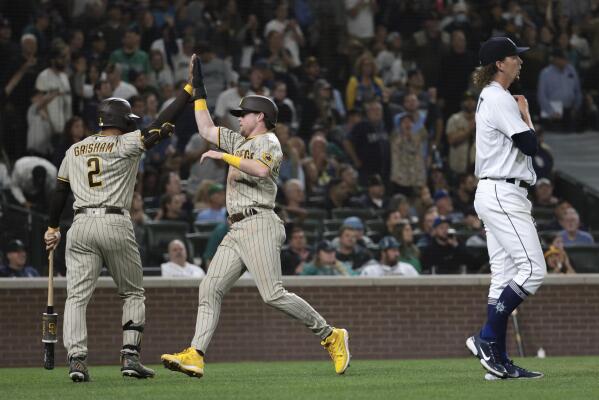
(101,172)
(256,235)
(505,143)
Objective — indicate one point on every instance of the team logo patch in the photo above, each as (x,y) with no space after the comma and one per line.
(267,157)
(500,307)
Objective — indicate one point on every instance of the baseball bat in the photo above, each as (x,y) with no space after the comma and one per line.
(49,318)
(518,334)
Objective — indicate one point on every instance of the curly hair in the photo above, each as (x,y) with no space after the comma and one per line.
(482,76)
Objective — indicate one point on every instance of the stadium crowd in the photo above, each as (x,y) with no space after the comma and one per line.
(376,119)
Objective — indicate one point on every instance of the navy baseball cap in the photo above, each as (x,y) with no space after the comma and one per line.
(440,220)
(498,48)
(354,223)
(440,194)
(388,242)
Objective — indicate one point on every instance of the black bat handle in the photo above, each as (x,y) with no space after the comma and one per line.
(49,355)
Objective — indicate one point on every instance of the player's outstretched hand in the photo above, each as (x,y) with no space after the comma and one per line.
(216,155)
(52,238)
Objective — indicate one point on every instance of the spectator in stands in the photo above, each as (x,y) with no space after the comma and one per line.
(559,211)
(39,128)
(444,205)
(408,169)
(130,57)
(402,204)
(571,233)
(319,108)
(559,93)
(32,181)
(463,198)
(293,38)
(558,262)
(320,168)
(365,86)
(348,251)
(543,195)
(363,242)
(229,100)
(74,132)
(374,198)
(392,218)
(159,73)
(120,88)
(177,265)
(460,136)
(360,19)
(426,227)
(370,141)
(171,208)
(391,62)
(216,210)
(291,166)
(18,85)
(55,79)
(474,225)
(217,73)
(16,262)
(408,251)
(296,253)
(389,262)
(337,195)
(114,28)
(457,66)
(349,176)
(294,201)
(325,262)
(424,200)
(444,255)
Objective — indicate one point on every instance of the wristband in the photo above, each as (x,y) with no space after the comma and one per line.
(232,160)
(200,104)
(189,89)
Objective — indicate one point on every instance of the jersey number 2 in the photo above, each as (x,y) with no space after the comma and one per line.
(93,166)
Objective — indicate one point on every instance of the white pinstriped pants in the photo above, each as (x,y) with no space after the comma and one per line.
(94,240)
(515,252)
(255,242)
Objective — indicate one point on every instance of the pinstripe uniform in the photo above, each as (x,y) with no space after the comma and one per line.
(253,243)
(101,171)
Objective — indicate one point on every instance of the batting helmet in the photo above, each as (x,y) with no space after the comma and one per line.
(258,104)
(115,112)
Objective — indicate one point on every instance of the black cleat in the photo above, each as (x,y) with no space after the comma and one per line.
(488,355)
(516,372)
(132,367)
(78,369)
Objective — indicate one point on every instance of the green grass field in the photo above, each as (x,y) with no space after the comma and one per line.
(569,378)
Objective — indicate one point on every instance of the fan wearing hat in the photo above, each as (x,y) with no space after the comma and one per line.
(388,263)
(16,262)
(216,211)
(257,234)
(505,144)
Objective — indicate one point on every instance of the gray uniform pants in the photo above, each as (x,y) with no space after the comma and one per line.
(255,243)
(92,241)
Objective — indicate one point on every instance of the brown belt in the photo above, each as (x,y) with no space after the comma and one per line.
(240,216)
(108,210)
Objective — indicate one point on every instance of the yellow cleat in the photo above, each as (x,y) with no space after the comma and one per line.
(189,361)
(338,348)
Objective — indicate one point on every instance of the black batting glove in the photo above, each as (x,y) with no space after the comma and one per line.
(167,130)
(199,90)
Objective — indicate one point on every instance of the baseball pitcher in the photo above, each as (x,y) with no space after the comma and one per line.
(505,143)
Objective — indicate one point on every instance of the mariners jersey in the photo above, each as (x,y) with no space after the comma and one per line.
(243,190)
(497,120)
(101,169)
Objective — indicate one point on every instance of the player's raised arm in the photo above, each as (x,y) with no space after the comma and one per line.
(206,126)
(162,127)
